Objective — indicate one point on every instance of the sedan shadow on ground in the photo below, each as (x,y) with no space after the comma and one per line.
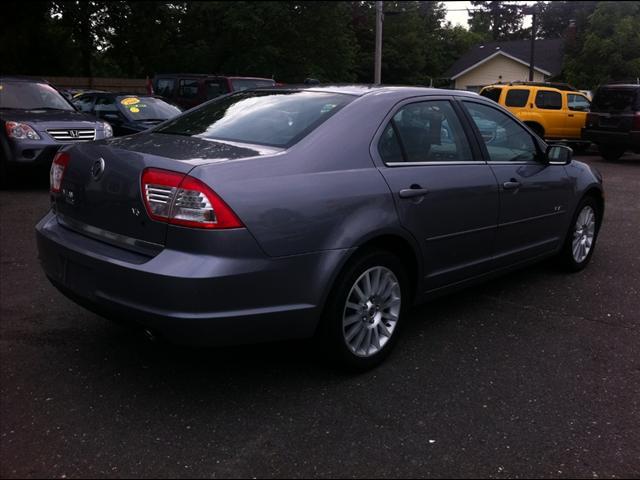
(129,350)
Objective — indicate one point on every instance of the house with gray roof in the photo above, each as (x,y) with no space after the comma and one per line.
(502,62)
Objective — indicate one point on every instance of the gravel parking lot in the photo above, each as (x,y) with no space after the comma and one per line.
(535,374)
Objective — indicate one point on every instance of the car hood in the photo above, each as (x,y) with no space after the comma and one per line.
(45,117)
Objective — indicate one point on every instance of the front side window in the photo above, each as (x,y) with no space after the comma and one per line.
(106,105)
(164,87)
(215,88)
(84,103)
(188,88)
(274,118)
(578,103)
(506,140)
(517,98)
(424,132)
(548,100)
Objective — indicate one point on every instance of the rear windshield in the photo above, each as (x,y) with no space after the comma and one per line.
(616,100)
(492,93)
(146,108)
(31,96)
(240,84)
(273,118)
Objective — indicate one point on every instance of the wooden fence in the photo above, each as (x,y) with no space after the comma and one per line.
(131,85)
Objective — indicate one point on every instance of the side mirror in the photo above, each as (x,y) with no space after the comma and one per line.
(558,155)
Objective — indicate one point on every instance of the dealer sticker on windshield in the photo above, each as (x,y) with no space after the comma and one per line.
(130,101)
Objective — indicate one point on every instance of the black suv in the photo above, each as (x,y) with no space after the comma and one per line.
(614,121)
(35,121)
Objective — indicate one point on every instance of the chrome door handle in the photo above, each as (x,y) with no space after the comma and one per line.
(413,192)
(512,185)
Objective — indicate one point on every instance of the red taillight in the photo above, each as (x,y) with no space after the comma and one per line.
(60,162)
(636,122)
(179,199)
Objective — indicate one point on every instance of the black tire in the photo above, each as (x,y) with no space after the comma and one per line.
(4,169)
(332,332)
(610,153)
(566,257)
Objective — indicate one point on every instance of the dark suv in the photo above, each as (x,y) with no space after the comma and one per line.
(614,121)
(190,89)
(127,113)
(35,121)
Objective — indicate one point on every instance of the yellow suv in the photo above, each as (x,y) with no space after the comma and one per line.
(556,112)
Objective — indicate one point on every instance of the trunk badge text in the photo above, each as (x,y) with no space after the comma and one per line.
(97,169)
(135,211)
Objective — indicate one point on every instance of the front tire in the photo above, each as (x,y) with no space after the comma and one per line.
(583,233)
(364,310)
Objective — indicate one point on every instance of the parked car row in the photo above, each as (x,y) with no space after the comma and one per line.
(561,114)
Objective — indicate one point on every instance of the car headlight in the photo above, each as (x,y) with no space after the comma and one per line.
(108,131)
(21,131)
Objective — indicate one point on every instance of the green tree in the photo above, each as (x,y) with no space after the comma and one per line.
(554,17)
(610,49)
(502,20)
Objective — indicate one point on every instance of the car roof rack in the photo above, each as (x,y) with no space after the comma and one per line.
(556,85)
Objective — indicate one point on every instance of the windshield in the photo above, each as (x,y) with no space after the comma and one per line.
(146,108)
(616,100)
(240,84)
(274,118)
(31,96)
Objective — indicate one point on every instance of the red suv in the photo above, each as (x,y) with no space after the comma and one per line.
(189,90)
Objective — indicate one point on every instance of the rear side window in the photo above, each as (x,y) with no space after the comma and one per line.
(425,132)
(616,100)
(548,100)
(492,93)
(188,88)
(578,103)
(517,98)
(164,87)
(274,118)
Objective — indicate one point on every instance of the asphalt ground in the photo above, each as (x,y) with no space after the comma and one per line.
(536,374)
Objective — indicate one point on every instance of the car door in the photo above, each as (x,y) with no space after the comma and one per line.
(577,107)
(534,195)
(445,194)
(188,93)
(549,104)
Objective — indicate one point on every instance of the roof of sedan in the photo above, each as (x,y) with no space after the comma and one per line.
(361,90)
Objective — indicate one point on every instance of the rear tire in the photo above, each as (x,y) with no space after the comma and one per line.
(611,153)
(364,311)
(581,239)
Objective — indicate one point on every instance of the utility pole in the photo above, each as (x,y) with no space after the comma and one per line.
(532,11)
(378,60)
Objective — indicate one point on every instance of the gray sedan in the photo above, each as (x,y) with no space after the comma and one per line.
(287,213)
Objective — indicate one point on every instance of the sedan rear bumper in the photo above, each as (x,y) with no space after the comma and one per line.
(191,298)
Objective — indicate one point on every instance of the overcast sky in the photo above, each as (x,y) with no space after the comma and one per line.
(461,17)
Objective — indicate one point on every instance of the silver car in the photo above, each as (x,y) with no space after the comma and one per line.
(287,213)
